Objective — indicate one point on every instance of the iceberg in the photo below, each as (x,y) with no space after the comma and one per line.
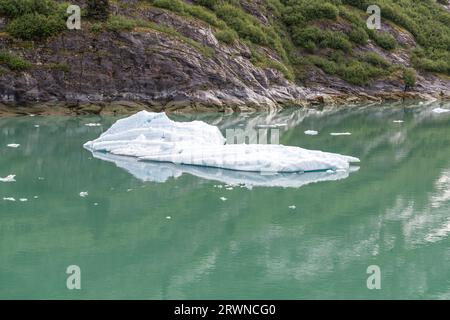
(10,178)
(441,110)
(153,137)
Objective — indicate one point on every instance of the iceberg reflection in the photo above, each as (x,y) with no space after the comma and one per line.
(163,171)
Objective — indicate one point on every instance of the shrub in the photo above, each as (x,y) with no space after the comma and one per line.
(34,26)
(302,36)
(13,62)
(172,5)
(244,24)
(376,60)
(385,40)
(358,35)
(356,73)
(336,40)
(409,77)
(17,8)
(226,36)
(319,10)
(98,9)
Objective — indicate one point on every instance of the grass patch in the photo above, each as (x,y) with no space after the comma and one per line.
(14,62)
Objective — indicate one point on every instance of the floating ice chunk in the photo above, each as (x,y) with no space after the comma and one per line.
(168,217)
(223,198)
(9,199)
(292,207)
(36,197)
(398,121)
(440,110)
(229,188)
(10,178)
(93,124)
(311,132)
(271,126)
(340,133)
(36,126)
(13,145)
(154,137)
(84,194)
(23,199)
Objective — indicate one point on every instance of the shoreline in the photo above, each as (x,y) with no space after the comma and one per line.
(126,107)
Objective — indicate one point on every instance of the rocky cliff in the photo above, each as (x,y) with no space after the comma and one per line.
(174,62)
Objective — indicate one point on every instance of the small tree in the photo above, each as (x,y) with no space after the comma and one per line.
(98,9)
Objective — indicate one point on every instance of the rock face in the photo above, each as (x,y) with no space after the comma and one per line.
(120,72)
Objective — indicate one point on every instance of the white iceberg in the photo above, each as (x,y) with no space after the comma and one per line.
(441,110)
(10,178)
(336,134)
(311,132)
(154,137)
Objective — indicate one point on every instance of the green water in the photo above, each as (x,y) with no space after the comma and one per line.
(394,212)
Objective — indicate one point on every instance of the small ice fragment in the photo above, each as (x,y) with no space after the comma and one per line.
(440,110)
(13,145)
(398,121)
(340,133)
(330,171)
(229,188)
(128,190)
(35,197)
(272,126)
(92,124)
(84,194)
(23,199)
(32,115)
(95,204)
(223,198)
(168,217)
(9,199)
(10,178)
(41,178)
(36,126)
(311,132)
(292,207)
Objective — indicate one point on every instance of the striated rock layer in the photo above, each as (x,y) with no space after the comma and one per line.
(121,72)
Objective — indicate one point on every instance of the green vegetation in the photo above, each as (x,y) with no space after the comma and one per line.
(98,9)
(409,78)
(33,19)
(121,23)
(13,62)
(35,26)
(17,8)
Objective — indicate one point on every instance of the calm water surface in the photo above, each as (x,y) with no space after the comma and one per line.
(394,212)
